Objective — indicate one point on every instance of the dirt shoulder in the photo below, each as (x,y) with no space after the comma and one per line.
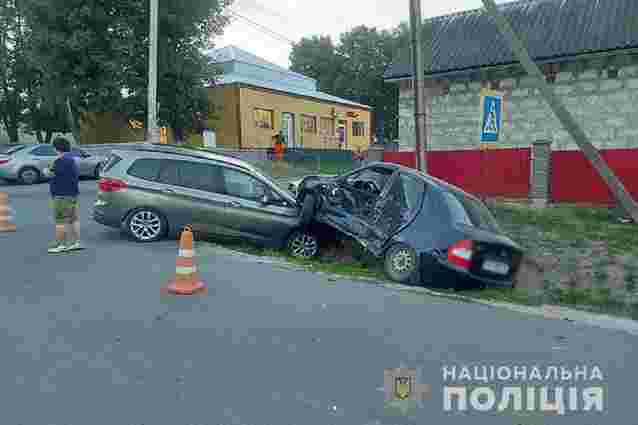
(582,258)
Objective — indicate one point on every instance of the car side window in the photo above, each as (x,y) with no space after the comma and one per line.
(242,185)
(47,150)
(168,173)
(199,176)
(412,191)
(146,169)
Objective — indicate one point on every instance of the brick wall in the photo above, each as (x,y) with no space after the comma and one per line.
(601,94)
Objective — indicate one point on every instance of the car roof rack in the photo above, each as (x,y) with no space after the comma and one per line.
(186,153)
(177,150)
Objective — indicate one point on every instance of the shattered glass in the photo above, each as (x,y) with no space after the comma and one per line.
(374,218)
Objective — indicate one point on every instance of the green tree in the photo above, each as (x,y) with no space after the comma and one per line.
(95,54)
(354,68)
(317,58)
(13,67)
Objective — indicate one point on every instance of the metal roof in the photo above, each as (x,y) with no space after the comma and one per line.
(235,54)
(246,68)
(284,88)
(551,29)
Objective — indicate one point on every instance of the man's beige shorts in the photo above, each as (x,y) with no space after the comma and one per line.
(66,209)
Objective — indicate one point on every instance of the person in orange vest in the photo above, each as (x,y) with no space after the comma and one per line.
(278,147)
(359,156)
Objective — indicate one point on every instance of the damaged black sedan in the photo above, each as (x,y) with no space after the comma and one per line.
(425,230)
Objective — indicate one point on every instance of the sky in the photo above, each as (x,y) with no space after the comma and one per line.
(254,21)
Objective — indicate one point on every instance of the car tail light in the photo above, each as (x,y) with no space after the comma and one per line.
(460,254)
(4,161)
(112,185)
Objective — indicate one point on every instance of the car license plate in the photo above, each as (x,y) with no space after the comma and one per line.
(496,267)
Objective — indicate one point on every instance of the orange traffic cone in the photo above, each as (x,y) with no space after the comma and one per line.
(6,221)
(186,280)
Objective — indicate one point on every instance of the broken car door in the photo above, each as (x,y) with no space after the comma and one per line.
(350,203)
(394,209)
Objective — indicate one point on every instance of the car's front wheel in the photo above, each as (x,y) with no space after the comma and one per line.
(303,245)
(146,225)
(401,263)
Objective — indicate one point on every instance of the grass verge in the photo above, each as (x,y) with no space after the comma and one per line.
(590,260)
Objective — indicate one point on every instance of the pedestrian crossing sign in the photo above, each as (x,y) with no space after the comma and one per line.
(491,105)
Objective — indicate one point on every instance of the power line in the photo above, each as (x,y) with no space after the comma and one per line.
(262,29)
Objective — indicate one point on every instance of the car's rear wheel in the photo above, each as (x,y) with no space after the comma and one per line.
(29,175)
(146,225)
(401,263)
(303,245)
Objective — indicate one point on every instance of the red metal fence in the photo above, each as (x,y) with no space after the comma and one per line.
(573,179)
(506,172)
(497,172)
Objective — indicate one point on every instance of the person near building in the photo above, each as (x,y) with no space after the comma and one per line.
(65,190)
(278,147)
(359,157)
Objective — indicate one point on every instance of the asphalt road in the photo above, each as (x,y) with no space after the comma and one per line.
(87,339)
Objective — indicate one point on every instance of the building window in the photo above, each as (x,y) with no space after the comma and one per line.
(264,119)
(358,129)
(309,124)
(328,126)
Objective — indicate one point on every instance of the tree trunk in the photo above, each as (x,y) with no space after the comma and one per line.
(13,133)
(49,136)
(38,135)
(73,118)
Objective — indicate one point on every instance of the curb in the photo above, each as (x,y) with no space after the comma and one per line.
(550,312)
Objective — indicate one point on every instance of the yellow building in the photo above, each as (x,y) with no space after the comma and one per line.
(255,100)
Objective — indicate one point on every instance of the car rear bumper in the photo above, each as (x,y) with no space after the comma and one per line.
(442,274)
(105,217)
(7,173)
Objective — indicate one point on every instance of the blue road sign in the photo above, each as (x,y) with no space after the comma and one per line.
(491,118)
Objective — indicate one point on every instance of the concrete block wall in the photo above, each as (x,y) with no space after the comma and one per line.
(602,96)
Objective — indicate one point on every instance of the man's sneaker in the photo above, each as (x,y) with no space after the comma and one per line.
(57,249)
(75,246)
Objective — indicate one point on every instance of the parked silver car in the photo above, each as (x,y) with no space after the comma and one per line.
(29,164)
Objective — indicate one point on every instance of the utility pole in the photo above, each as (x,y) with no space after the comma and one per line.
(420,124)
(152,131)
(562,113)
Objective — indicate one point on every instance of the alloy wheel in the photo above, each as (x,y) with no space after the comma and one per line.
(402,261)
(303,245)
(29,176)
(145,225)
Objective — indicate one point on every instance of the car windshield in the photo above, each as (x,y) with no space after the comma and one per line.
(10,149)
(281,173)
(470,211)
